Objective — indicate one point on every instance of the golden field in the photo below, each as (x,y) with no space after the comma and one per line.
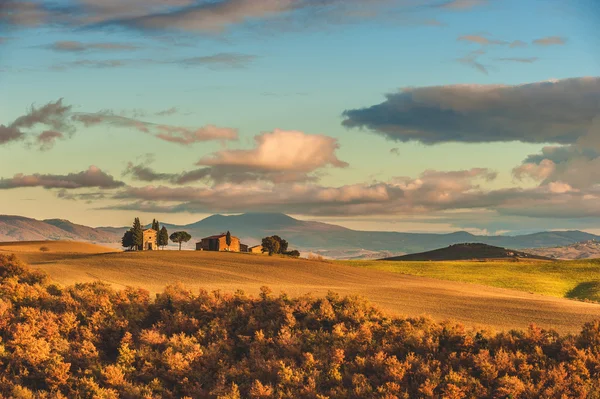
(475,305)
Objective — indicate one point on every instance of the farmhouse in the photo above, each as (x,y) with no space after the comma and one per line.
(257,249)
(218,243)
(149,243)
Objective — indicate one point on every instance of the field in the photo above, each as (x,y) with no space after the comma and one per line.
(578,279)
(471,304)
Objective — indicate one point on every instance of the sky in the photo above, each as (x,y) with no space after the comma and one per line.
(398,115)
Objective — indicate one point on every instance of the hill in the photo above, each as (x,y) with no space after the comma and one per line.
(580,250)
(467,251)
(18,228)
(397,293)
(309,236)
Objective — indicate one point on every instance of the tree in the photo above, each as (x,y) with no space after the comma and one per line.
(274,245)
(127,240)
(228,239)
(155,225)
(180,237)
(138,234)
(270,245)
(294,253)
(283,244)
(163,237)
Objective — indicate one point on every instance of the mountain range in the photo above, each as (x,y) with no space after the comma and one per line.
(308,236)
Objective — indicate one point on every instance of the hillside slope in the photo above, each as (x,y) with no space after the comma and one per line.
(580,250)
(467,251)
(401,294)
(18,228)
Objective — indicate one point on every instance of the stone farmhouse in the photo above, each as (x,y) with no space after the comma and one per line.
(219,243)
(150,240)
(257,249)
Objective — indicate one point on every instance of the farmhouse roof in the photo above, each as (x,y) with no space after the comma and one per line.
(218,236)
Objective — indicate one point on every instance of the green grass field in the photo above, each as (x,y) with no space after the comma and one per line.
(578,279)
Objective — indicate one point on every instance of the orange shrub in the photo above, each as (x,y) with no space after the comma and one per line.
(90,341)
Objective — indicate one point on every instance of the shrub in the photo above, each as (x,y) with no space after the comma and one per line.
(44,249)
(90,341)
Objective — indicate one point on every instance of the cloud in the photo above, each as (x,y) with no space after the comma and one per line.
(143,172)
(173,134)
(461,4)
(219,61)
(517,43)
(550,41)
(523,60)
(96,64)
(185,136)
(573,165)
(47,139)
(170,111)
(9,133)
(471,61)
(433,190)
(278,157)
(281,155)
(479,39)
(53,115)
(91,178)
(217,16)
(60,121)
(22,13)
(79,47)
(214,61)
(559,111)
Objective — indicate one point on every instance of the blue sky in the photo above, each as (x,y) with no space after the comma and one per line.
(281,105)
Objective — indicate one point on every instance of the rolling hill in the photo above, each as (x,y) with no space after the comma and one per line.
(323,238)
(18,228)
(468,251)
(398,293)
(580,250)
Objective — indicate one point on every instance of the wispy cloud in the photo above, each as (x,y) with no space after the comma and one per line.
(214,61)
(461,4)
(551,41)
(471,60)
(80,47)
(523,60)
(91,178)
(480,39)
(53,115)
(517,43)
(46,139)
(174,134)
(219,61)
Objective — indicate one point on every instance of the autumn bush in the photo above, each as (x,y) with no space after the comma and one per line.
(90,341)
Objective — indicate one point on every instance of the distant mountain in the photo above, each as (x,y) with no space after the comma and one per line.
(579,250)
(308,236)
(469,251)
(17,228)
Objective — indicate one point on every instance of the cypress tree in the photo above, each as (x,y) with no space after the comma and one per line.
(163,237)
(155,226)
(228,239)
(138,234)
(127,240)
